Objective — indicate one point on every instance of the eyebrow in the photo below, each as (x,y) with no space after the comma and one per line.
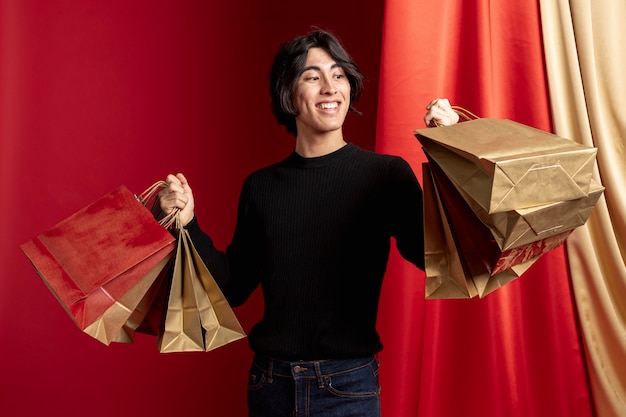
(316,68)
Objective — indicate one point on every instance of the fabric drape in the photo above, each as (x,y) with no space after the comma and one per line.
(585,68)
(517,351)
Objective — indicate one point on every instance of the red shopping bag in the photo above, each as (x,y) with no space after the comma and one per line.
(101,260)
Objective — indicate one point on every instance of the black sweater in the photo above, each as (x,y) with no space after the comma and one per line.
(315,233)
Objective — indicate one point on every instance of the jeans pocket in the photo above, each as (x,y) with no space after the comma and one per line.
(256,378)
(357,383)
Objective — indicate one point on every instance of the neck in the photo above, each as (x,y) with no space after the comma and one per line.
(319,145)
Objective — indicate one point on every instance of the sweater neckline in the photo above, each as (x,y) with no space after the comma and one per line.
(320,161)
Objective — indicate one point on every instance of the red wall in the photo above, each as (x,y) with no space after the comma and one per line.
(98,94)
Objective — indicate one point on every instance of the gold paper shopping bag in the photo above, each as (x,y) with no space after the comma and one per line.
(197,316)
(151,309)
(483,263)
(446,276)
(218,320)
(476,240)
(450,271)
(139,316)
(119,322)
(487,283)
(182,329)
(505,165)
(516,228)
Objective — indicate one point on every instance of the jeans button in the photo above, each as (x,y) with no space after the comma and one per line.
(297,369)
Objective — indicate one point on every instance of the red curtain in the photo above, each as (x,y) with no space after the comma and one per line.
(98,94)
(516,352)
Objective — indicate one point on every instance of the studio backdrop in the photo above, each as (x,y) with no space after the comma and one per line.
(96,95)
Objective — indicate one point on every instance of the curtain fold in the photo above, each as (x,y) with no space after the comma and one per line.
(517,351)
(585,68)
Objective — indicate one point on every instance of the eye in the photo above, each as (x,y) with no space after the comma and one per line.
(310,76)
(339,73)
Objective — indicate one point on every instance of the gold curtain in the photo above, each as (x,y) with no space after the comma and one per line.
(586,67)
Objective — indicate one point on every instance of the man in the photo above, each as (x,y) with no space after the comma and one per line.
(314,230)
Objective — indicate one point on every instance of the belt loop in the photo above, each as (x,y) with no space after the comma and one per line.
(270,370)
(318,373)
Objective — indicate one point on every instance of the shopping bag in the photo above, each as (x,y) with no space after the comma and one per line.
(137,303)
(504,165)
(98,261)
(476,239)
(119,322)
(151,309)
(182,330)
(198,317)
(449,273)
(516,228)
(446,274)
(486,283)
(145,311)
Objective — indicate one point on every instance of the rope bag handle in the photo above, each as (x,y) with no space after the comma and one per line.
(463,113)
(149,198)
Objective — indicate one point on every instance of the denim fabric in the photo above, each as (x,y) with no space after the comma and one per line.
(331,388)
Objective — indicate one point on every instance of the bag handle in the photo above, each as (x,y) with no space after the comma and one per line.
(169,219)
(463,113)
(149,197)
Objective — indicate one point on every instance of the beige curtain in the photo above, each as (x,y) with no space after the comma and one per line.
(586,66)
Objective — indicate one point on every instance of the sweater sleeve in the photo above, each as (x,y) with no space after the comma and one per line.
(406,214)
(236,270)
(214,259)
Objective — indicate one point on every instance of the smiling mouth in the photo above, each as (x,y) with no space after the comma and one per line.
(328,106)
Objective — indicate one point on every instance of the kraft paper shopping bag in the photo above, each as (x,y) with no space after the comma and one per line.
(446,274)
(515,228)
(505,165)
(197,316)
(476,239)
(459,262)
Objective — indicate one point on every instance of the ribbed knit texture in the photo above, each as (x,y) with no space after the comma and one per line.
(316,233)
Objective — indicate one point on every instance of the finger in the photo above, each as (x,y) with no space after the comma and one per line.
(438,116)
(167,204)
(438,113)
(447,114)
(178,200)
(172,179)
(173,185)
(444,103)
(433,113)
(182,179)
(184,183)
(167,188)
(431,104)
(455,117)
(175,188)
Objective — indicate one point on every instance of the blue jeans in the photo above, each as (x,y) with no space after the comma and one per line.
(330,388)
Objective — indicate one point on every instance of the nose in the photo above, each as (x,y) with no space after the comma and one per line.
(328,87)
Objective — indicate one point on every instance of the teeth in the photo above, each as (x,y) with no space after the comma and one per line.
(328,105)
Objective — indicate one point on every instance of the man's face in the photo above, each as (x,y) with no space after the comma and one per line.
(322,95)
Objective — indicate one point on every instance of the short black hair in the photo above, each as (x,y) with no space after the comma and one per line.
(289,64)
